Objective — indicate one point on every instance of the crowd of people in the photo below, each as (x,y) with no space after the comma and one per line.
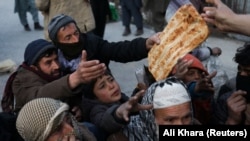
(65,90)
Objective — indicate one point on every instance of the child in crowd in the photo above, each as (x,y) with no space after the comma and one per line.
(107,106)
(200,86)
(191,71)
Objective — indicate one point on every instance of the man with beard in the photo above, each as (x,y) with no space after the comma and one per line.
(233,104)
(40,76)
(47,119)
(65,34)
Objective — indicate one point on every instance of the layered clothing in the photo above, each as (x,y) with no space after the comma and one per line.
(104,51)
(103,115)
(142,127)
(29,85)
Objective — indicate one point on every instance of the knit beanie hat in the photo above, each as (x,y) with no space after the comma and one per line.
(39,117)
(56,23)
(195,64)
(35,49)
(169,92)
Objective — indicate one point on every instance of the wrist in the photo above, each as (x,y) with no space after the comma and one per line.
(73,80)
(117,114)
(233,23)
(118,117)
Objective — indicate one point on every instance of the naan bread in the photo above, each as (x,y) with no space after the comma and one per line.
(185,31)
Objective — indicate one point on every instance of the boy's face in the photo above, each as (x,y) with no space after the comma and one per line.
(193,74)
(107,90)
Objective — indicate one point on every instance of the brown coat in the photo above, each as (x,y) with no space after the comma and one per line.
(28,86)
(80,10)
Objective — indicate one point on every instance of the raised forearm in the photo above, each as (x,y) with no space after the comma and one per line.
(240,24)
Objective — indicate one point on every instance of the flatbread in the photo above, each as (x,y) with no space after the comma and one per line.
(185,31)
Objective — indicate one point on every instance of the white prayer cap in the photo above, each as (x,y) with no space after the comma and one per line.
(170,92)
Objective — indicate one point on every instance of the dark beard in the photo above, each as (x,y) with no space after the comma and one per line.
(71,50)
(243,83)
(41,74)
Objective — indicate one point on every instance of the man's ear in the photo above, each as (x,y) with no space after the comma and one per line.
(34,67)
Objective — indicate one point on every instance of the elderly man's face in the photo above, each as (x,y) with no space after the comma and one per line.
(174,115)
(68,34)
(64,131)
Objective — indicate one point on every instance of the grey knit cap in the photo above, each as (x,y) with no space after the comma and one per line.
(39,117)
(56,23)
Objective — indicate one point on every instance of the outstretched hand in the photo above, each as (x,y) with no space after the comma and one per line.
(86,71)
(89,70)
(218,15)
(132,106)
(151,41)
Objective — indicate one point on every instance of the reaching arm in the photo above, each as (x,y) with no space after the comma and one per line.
(225,19)
(131,106)
(86,71)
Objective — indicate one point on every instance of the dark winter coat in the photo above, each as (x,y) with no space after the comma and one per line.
(103,115)
(27,86)
(104,51)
